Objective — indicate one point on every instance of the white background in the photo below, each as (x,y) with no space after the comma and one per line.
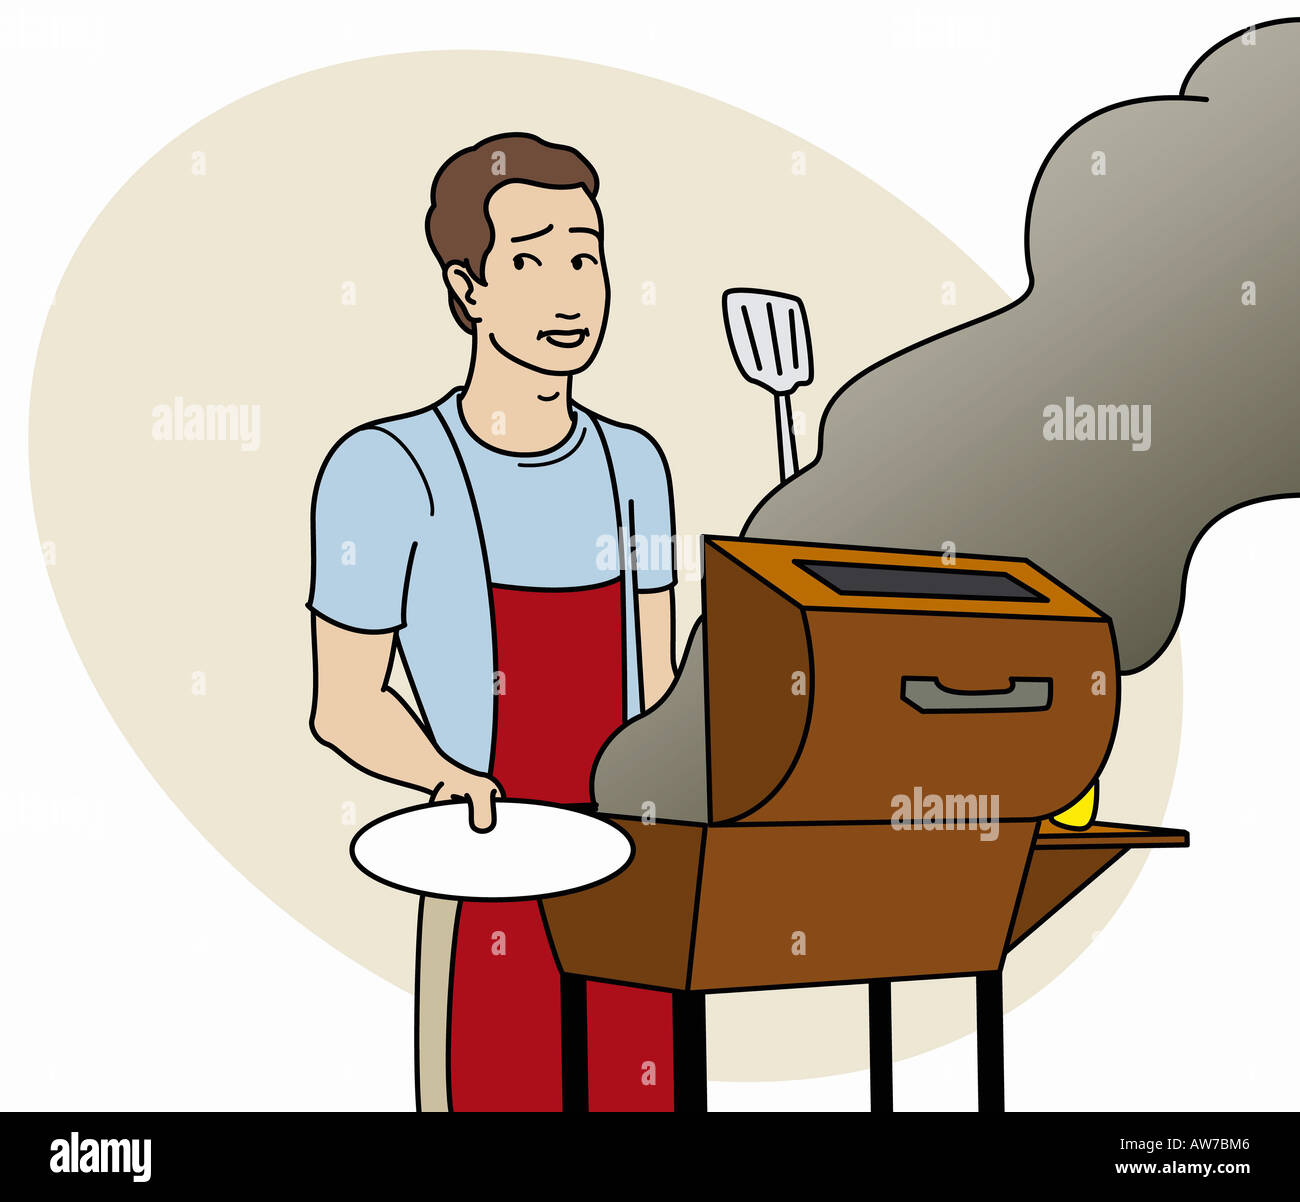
(140,970)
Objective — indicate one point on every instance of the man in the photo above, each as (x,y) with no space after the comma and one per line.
(485,540)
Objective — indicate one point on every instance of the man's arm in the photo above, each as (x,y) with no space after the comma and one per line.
(355,712)
(658,652)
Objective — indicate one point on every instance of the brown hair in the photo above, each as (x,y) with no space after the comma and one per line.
(457,224)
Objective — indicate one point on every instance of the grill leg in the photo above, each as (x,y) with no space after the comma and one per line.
(988,1041)
(573,1040)
(690,1060)
(880,1020)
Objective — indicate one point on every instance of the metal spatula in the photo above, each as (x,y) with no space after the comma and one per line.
(768,335)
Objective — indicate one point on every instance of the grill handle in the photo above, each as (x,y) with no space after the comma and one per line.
(1023,695)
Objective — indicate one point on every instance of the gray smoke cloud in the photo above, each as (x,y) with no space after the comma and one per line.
(1163,242)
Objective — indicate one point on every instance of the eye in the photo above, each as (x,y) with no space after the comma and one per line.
(577,261)
(519,260)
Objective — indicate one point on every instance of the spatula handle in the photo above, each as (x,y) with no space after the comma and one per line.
(785,436)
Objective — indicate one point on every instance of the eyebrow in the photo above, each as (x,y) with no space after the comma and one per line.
(529,237)
(582,229)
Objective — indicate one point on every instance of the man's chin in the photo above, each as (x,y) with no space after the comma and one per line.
(542,355)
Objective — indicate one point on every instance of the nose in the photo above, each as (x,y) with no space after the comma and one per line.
(568,316)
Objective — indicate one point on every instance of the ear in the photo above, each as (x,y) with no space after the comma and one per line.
(463,286)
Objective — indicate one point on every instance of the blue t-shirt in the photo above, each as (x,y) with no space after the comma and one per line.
(396,546)
(380,512)
(549,519)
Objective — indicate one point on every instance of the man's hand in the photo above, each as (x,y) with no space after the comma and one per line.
(480,791)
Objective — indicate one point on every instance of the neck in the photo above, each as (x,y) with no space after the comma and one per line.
(514,407)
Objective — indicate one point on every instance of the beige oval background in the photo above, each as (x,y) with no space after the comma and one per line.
(273,257)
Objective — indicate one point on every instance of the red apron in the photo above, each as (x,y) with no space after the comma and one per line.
(560,696)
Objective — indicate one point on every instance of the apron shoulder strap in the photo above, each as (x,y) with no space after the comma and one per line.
(625,513)
(458,650)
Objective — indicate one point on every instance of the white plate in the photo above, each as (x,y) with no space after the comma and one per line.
(534,850)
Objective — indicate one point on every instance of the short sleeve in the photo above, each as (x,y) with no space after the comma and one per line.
(370,502)
(651,495)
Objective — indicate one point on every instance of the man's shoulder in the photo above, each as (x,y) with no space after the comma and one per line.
(391,454)
(630,444)
(413,422)
(372,448)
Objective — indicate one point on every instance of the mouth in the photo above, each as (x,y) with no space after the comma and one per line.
(565,338)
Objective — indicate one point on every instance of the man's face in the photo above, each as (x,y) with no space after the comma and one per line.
(546,291)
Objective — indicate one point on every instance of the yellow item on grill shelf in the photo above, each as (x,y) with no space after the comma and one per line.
(1081,814)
